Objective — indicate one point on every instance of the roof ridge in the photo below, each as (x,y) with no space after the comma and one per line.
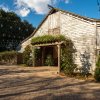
(66,11)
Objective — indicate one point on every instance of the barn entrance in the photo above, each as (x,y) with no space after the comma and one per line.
(43,52)
(47,56)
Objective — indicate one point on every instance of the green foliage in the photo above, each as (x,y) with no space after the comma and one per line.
(12,30)
(8,57)
(98,62)
(97,74)
(97,70)
(29,62)
(27,55)
(37,53)
(49,61)
(67,60)
(47,39)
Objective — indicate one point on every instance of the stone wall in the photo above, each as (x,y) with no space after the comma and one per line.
(82,32)
(83,35)
(98,35)
(50,23)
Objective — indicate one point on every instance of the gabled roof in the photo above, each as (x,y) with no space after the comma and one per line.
(56,10)
(51,11)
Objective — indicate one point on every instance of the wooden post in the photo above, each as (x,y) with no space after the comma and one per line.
(33,55)
(59,53)
(43,52)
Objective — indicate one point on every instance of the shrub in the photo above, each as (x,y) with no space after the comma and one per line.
(29,62)
(8,57)
(67,60)
(97,70)
(37,54)
(27,55)
(97,74)
(98,62)
(49,61)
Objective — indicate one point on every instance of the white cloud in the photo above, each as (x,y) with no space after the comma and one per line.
(66,1)
(23,12)
(4,7)
(23,7)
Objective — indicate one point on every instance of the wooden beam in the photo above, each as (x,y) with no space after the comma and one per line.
(43,52)
(33,55)
(59,57)
(48,44)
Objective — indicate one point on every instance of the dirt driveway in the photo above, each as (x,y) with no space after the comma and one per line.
(43,83)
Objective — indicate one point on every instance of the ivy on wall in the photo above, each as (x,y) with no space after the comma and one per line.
(67,60)
(97,70)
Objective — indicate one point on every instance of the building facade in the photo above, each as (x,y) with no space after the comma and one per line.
(84,33)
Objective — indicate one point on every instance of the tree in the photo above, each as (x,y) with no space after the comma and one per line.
(12,30)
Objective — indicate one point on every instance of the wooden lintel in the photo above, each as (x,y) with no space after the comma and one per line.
(48,44)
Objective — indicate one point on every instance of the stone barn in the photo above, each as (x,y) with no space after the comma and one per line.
(84,33)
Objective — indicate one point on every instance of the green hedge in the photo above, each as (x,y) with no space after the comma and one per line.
(97,74)
(97,70)
(8,57)
(47,39)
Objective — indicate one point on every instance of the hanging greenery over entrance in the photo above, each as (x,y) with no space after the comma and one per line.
(48,39)
(66,59)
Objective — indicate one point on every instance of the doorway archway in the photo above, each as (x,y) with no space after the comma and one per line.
(53,48)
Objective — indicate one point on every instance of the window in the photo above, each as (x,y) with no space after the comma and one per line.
(50,31)
(54,31)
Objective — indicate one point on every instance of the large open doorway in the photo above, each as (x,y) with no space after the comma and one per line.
(41,51)
(46,53)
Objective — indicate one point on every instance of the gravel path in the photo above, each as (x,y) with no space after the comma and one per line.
(43,83)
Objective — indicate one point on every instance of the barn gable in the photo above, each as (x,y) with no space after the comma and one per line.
(54,20)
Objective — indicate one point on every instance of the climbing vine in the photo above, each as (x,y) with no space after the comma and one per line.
(67,60)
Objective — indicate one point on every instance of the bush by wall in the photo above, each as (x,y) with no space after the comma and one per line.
(8,57)
(38,54)
(67,60)
(97,70)
(27,59)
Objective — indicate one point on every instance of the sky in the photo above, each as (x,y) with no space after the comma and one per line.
(35,10)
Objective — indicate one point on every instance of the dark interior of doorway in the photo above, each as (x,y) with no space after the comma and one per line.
(44,52)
